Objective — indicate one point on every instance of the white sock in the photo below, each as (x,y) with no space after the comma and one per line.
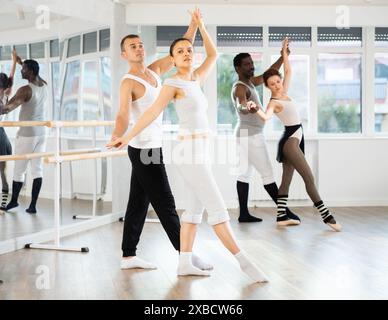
(186,267)
(136,263)
(199,263)
(250,269)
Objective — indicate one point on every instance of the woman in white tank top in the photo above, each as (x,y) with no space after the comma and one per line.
(184,88)
(291,145)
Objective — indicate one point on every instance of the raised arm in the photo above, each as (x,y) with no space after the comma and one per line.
(165,64)
(259,80)
(211,51)
(287,67)
(15,60)
(23,95)
(166,95)
(122,118)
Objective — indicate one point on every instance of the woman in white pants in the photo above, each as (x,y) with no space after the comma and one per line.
(191,105)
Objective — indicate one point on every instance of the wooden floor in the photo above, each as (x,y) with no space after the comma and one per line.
(17,222)
(304,262)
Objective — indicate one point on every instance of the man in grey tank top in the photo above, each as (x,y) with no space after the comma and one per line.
(31,98)
(249,132)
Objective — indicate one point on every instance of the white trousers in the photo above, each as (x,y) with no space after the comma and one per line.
(253,154)
(25,145)
(192,158)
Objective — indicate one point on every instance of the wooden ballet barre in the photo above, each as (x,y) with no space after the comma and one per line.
(24,124)
(107,154)
(30,156)
(72,124)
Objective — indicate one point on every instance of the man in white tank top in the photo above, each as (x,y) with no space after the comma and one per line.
(250,137)
(149,183)
(32,99)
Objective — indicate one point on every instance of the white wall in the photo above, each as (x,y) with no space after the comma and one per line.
(354,171)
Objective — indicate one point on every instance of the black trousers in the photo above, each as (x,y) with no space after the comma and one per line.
(149,184)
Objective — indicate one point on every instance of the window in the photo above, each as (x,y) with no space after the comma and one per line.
(86,87)
(37,50)
(5,53)
(226,76)
(239,36)
(54,48)
(69,105)
(61,48)
(89,94)
(55,76)
(381,37)
(106,91)
(165,35)
(381,92)
(331,36)
(74,46)
(104,39)
(339,93)
(22,51)
(43,72)
(90,42)
(299,36)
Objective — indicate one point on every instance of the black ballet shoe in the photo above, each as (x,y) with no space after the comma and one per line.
(292,215)
(11,205)
(31,210)
(248,218)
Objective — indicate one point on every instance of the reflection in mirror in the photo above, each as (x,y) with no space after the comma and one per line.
(73,83)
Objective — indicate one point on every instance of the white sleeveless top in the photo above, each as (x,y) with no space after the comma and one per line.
(289,116)
(34,110)
(150,137)
(192,108)
(251,121)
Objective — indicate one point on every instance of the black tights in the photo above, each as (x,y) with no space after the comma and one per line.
(294,159)
(4,182)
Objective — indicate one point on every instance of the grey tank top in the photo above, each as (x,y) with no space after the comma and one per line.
(250,122)
(34,110)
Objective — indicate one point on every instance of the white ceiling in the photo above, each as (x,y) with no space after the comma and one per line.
(13,16)
(264,2)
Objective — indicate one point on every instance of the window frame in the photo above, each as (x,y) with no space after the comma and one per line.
(82,58)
